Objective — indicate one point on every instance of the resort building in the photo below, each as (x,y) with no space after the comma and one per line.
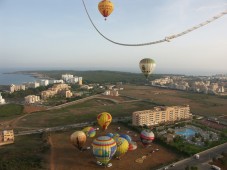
(80,81)
(43,82)
(55,81)
(161,114)
(31,99)
(31,85)
(66,77)
(56,89)
(14,88)
(2,101)
(6,137)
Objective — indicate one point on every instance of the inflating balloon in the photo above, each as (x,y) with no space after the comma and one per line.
(146,136)
(89,131)
(147,66)
(127,137)
(104,148)
(78,139)
(106,7)
(122,146)
(104,119)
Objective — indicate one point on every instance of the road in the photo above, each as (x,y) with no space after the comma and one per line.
(202,162)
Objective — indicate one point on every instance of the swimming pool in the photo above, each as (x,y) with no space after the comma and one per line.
(186,132)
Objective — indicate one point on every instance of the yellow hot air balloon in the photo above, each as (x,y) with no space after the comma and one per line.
(106,7)
(147,66)
(122,146)
(78,139)
(104,119)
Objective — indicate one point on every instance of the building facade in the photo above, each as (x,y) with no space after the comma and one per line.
(6,137)
(161,114)
(31,99)
(2,101)
(14,88)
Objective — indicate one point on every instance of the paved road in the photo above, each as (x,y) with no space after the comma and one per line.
(202,162)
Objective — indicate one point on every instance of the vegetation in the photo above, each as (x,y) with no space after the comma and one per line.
(101,76)
(27,153)
(9,110)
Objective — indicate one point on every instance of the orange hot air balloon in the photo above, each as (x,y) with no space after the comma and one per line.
(106,7)
(104,119)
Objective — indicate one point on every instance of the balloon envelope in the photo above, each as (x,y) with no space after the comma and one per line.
(110,135)
(132,146)
(89,131)
(78,139)
(104,119)
(127,137)
(146,136)
(147,66)
(122,146)
(105,7)
(104,148)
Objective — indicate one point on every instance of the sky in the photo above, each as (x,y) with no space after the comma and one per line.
(57,34)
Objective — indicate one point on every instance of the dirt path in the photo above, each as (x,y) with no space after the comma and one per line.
(51,153)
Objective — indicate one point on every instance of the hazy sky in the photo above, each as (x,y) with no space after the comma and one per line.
(57,34)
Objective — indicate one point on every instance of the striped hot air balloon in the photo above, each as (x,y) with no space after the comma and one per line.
(146,136)
(104,148)
(127,137)
(89,131)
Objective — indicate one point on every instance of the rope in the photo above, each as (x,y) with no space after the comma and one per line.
(166,39)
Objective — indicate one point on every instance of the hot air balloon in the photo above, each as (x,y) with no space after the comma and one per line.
(78,139)
(146,136)
(106,7)
(89,131)
(127,137)
(104,119)
(122,146)
(110,135)
(132,146)
(147,66)
(104,148)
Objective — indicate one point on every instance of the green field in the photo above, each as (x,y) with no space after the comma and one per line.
(10,111)
(27,153)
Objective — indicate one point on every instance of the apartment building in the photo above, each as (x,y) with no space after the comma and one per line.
(14,88)
(66,77)
(160,114)
(31,99)
(56,89)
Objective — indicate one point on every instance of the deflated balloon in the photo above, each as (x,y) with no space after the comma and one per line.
(78,139)
(104,119)
(132,146)
(105,7)
(89,131)
(104,148)
(147,66)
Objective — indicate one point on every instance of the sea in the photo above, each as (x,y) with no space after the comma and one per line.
(8,79)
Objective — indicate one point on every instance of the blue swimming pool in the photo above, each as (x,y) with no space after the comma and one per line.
(186,132)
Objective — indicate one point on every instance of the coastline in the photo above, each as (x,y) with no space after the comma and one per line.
(30,73)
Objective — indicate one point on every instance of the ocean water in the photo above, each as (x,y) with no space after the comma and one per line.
(8,79)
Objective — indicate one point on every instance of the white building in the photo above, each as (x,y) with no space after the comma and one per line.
(73,80)
(43,82)
(2,101)
(66,77)
(31,99)
(31,84)
(14,88)
(55,81)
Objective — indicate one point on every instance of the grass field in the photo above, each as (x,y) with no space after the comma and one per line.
(10,111)
(207,105)
(27,153)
